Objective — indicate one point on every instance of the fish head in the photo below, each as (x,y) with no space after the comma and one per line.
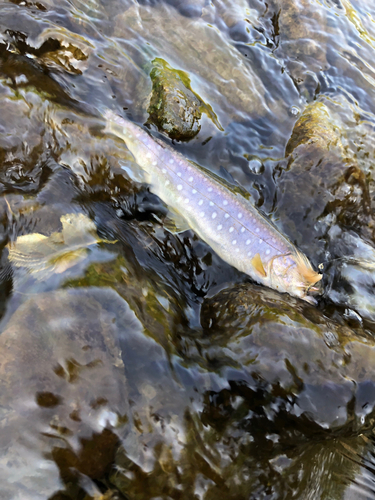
(292,273)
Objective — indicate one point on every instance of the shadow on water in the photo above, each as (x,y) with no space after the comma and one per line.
(135,363)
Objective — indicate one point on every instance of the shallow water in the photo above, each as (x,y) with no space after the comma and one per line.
(135,363)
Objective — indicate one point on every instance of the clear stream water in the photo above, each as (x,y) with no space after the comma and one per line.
(135,364)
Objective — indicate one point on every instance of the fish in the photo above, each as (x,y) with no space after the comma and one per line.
(236,230)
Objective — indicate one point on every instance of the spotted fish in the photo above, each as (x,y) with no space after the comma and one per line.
(229,223)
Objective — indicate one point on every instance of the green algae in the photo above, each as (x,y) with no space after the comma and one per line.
(174,108)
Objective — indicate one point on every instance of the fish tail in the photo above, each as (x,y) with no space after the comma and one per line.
(118,126)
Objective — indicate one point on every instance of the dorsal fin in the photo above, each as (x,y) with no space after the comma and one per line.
(257,263)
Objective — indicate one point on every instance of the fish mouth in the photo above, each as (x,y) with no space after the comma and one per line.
(315,290)
(311,292)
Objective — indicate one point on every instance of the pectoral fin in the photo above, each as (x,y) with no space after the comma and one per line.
(257,263)
(175,222)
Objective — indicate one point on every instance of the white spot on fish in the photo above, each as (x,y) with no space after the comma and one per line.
(225,202)
(214,215)
(219,227)
(179,187)
(159,147)
(273,240)
(226,216)
(202,214)
(164,171)
(260,241)
(194,191)
(209,190)
(179,174)
(166,183)
(239,215)
(190,179)
(231,229)
(242,229)
(211,204)
(171,161)
(237,250)
(268,251)
(179,198)
(154,162)
(249,254)
(248,242)
(180,162)
(200,202)
(148,155)
(257,230)
(234,242)
(187,200)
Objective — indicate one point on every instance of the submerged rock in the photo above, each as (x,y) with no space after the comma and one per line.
(64,392)
(289,361)
(174,108)
(301,28)
(321,186)
(300,33)
(225,79)
(52,46)
(350,278)
(269,391)
(325,204)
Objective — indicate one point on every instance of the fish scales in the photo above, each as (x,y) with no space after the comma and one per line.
(228,222)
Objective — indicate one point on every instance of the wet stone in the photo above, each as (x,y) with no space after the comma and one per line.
(300,35)
(173,108)
(325,204)
(321,186)
(258,392)
(289,358)
(64,393)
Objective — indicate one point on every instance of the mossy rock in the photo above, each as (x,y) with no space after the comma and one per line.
(174,108)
